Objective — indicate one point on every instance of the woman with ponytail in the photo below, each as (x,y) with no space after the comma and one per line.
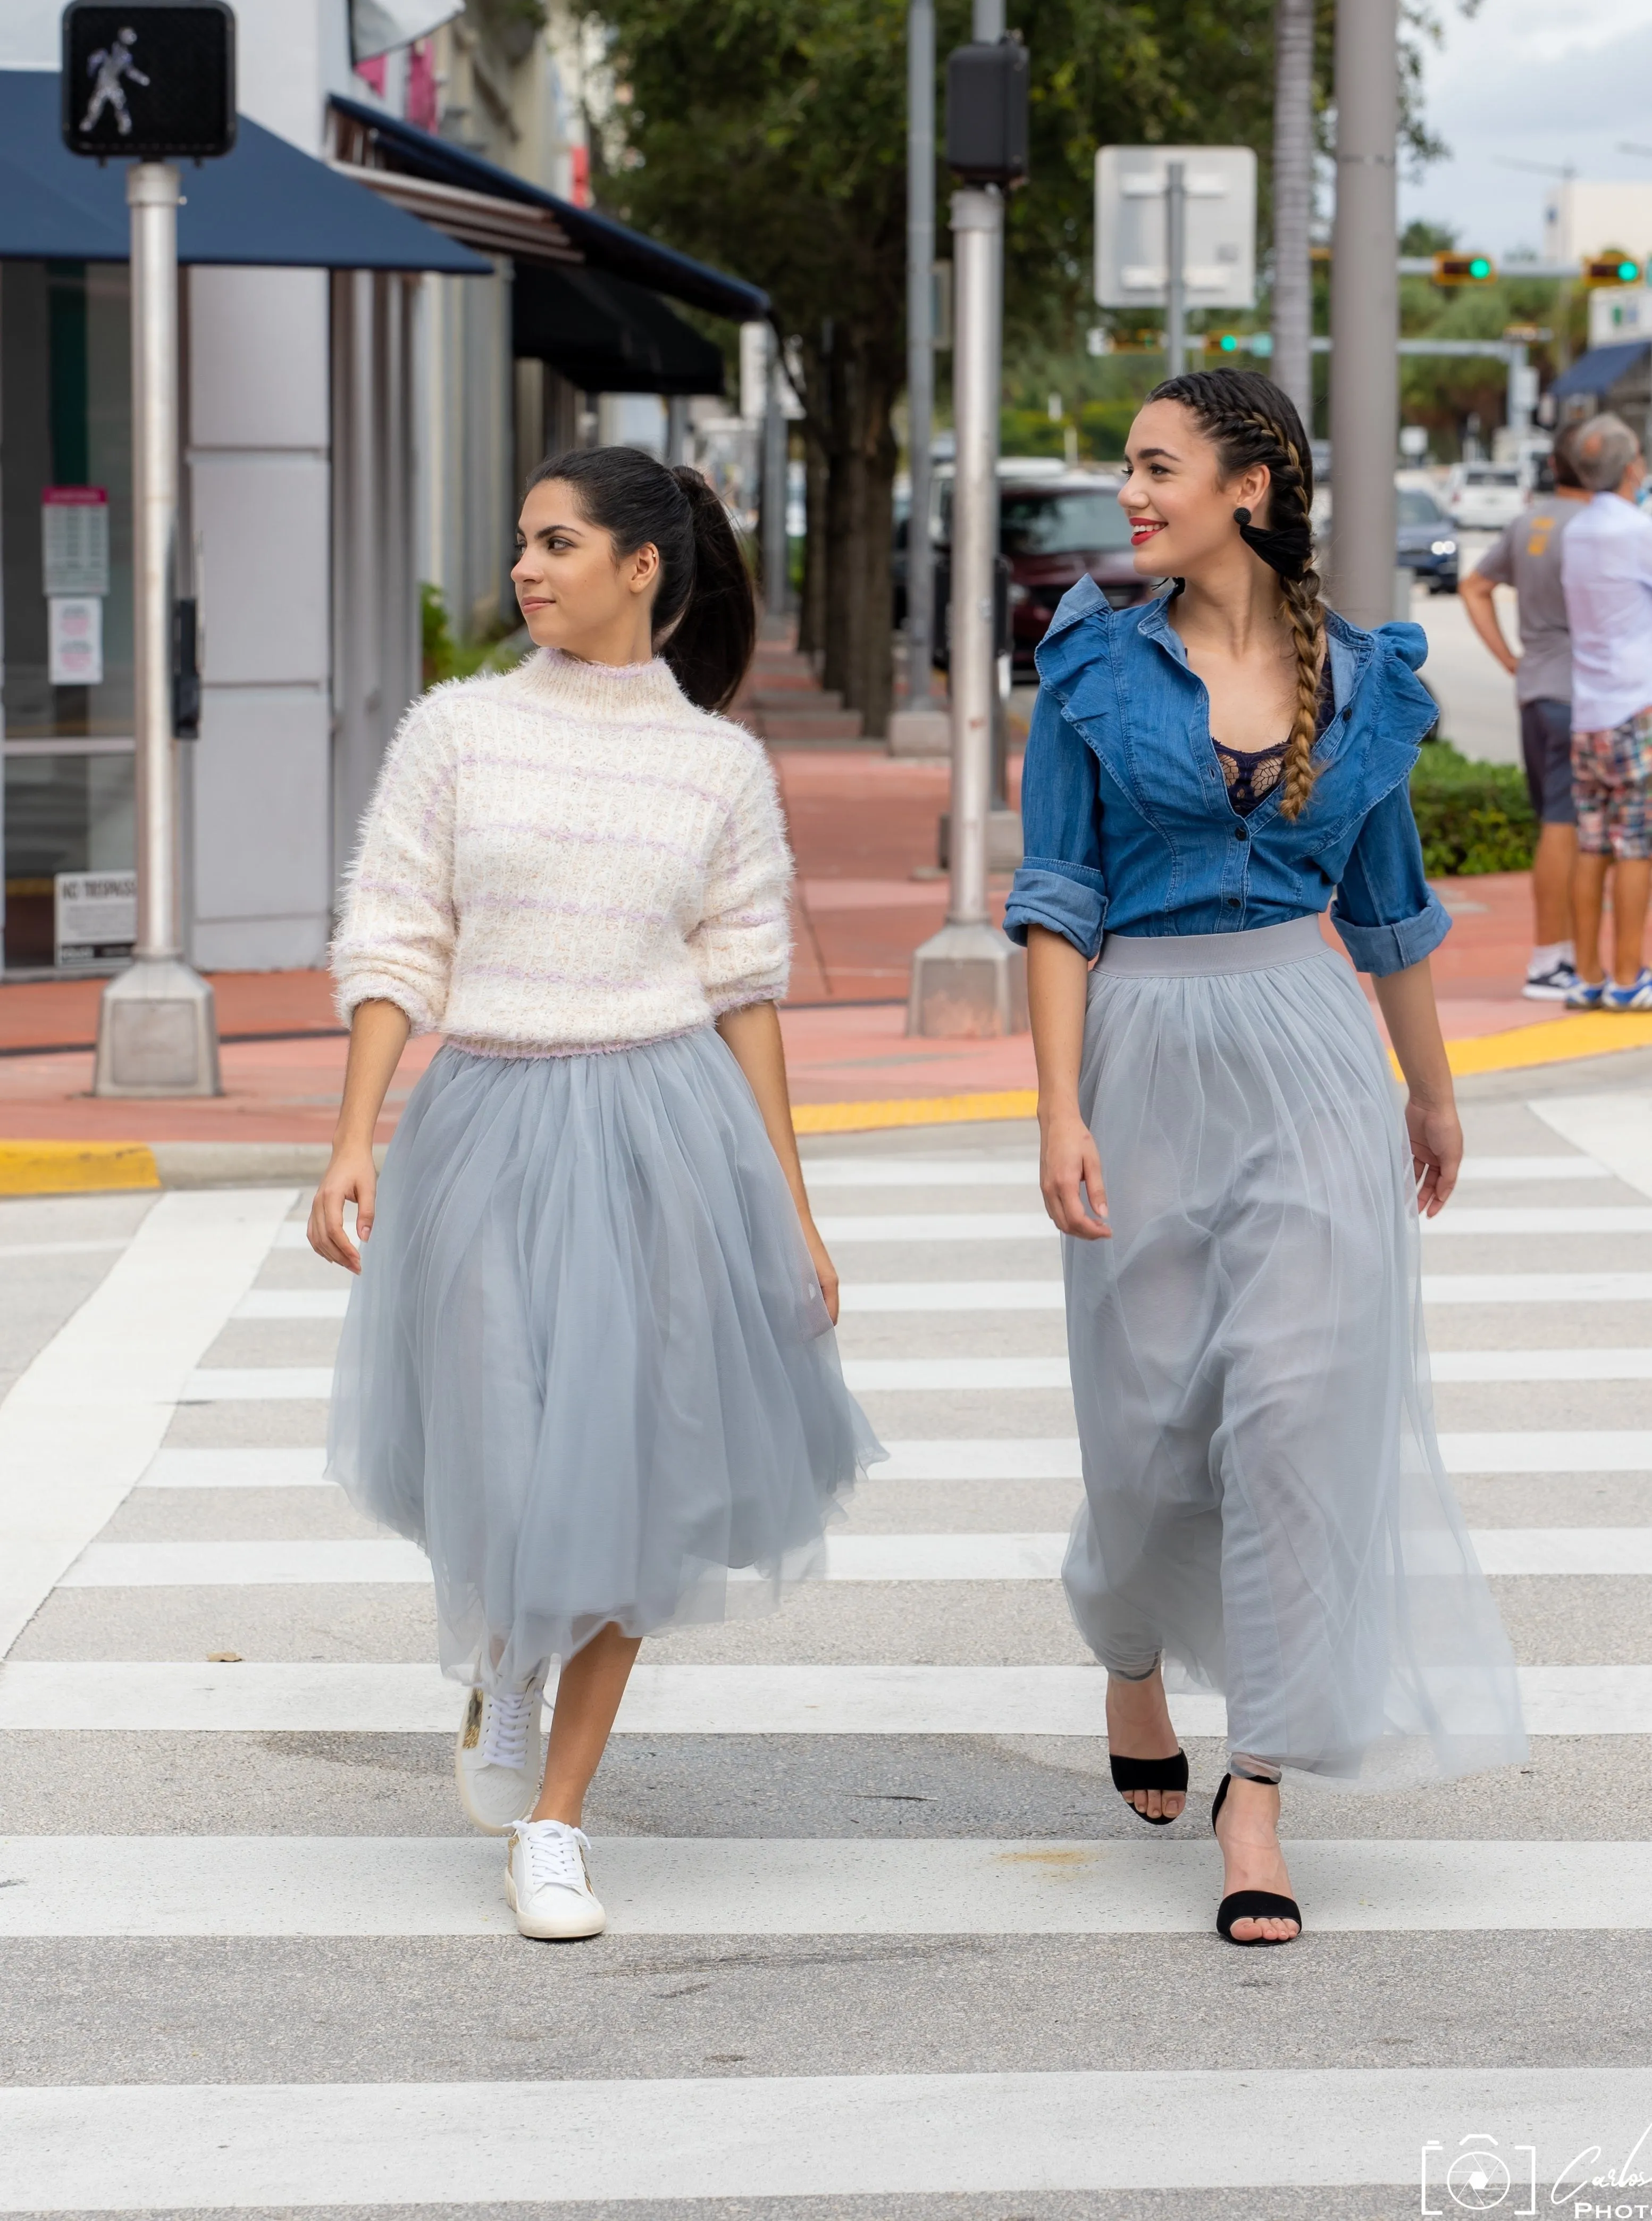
(1265,1506)
(588,1361)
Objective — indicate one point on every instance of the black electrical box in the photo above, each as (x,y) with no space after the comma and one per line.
(986,112)
(148,83)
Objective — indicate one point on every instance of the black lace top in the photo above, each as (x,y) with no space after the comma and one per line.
(1252,774)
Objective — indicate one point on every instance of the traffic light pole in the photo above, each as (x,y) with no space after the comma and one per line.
(969,980)
(157,1028)
(1365,312)
(1176,269)
(920,344)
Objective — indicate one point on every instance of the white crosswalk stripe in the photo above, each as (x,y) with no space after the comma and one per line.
(239,1505)
(716,1886)
(153,1695)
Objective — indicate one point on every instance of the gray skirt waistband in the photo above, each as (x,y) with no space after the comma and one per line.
(1191,955)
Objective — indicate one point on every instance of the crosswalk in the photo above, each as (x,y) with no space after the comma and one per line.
(877,1922)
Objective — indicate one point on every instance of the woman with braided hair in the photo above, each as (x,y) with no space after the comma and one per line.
(1265,1506)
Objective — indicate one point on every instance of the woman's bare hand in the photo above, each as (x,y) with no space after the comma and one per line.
(351,1177)
(826,1271)
(1069,1173)
(1436,1134)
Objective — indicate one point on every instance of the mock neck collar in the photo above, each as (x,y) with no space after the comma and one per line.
(612,692)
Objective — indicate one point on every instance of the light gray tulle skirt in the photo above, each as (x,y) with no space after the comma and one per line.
(586,1365)
(1265,1503)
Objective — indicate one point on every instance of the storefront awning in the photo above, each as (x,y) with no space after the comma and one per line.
(606,335)
(1599,370)
(263,202)
(599,243)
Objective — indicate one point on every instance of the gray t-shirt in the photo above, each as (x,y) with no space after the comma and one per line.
(1526,555)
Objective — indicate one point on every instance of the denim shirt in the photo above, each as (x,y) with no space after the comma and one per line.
(1127,824)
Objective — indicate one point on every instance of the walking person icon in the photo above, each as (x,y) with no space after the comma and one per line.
(109,64)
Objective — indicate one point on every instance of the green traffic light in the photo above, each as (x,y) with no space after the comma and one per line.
(1230,343)
(1628,272)
(1480,267)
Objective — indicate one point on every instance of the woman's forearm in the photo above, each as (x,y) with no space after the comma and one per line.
(1406,1001)
(378,1033)
(752,1034)
(1057,983)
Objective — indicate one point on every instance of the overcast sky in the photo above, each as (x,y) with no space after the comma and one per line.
(1554,81)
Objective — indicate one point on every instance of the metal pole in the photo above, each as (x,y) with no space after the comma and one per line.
(987,26)
(1292,364)
(977,235)
(1365,312)
(156,1034)
(968,980)
(920,342)
(1518,409)
(1175,258)
(775,458)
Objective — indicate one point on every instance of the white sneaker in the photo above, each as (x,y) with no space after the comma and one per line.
(548,1884)
(500,1755)
(1552,986)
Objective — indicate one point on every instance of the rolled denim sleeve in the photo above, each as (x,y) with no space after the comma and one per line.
(1388,916)
(1059,884)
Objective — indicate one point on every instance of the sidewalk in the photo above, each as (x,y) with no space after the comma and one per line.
(863,826)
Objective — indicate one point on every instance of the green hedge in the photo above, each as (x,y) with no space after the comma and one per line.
(1473,816)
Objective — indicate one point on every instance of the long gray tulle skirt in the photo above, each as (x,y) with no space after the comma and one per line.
(1264,1499)
(586,1365)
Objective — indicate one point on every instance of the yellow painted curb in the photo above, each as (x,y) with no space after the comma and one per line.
(75,1167)
(1556,1040)
(914,1111)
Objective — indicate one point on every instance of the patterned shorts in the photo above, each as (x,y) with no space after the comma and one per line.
(1611,785)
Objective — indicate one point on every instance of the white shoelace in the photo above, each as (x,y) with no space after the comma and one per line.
(504,1731)
(555,1854)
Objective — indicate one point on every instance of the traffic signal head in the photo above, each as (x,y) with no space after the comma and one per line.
(1229,343)
(1612,270)
(147,82)
(1463,269)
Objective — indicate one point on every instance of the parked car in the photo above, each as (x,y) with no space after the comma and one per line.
(1054,527)
(1485,497)
(1425,542)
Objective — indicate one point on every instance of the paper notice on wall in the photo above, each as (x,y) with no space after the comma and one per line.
(74,640)
(95,916)
(74,540)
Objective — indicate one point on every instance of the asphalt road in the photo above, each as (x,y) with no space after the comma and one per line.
(884,1941)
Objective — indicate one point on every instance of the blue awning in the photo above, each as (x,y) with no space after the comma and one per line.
(603,243)
(1599,370)
(263,202)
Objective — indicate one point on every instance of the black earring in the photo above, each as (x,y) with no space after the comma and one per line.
(1242,516)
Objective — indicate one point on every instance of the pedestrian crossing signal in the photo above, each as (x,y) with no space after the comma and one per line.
(1612,270)
(1463,269)
(147,83)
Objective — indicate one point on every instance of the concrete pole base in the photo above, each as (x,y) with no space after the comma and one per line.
(157,1032)
(968,983)
(921,732)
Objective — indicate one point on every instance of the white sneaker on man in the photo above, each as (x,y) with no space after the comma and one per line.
(1549,982)
(500,1757)
(548,1882)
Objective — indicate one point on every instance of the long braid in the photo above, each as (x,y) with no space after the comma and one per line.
(1250,420)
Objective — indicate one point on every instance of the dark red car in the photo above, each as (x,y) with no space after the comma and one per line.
(1053,531)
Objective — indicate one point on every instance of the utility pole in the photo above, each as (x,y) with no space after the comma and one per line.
(1175,268)
(920,344)
(1365,312)
(157,1024)
(969,980)
(987,27)
(1292,361)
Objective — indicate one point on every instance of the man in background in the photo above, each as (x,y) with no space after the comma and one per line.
(1527,556)
(1606,575)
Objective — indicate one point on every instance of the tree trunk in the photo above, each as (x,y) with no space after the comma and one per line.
(871,675)
(810,616)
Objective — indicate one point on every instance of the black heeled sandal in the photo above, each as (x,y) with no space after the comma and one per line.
(1251,1903)
(1130,1773)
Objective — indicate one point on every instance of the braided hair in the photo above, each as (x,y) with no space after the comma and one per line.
(1250,419)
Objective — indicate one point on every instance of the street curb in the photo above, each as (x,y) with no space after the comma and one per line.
(87,1167)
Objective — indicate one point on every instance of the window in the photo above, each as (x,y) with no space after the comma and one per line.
(1416,507)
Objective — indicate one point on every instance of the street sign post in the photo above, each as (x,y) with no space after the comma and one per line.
(969,980)
(1152,201)
(156,83)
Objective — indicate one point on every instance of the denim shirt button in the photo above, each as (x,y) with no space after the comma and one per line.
(1241,832)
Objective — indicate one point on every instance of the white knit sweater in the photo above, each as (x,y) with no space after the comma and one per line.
(568,857)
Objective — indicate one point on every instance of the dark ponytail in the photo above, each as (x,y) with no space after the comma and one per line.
(704,621)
